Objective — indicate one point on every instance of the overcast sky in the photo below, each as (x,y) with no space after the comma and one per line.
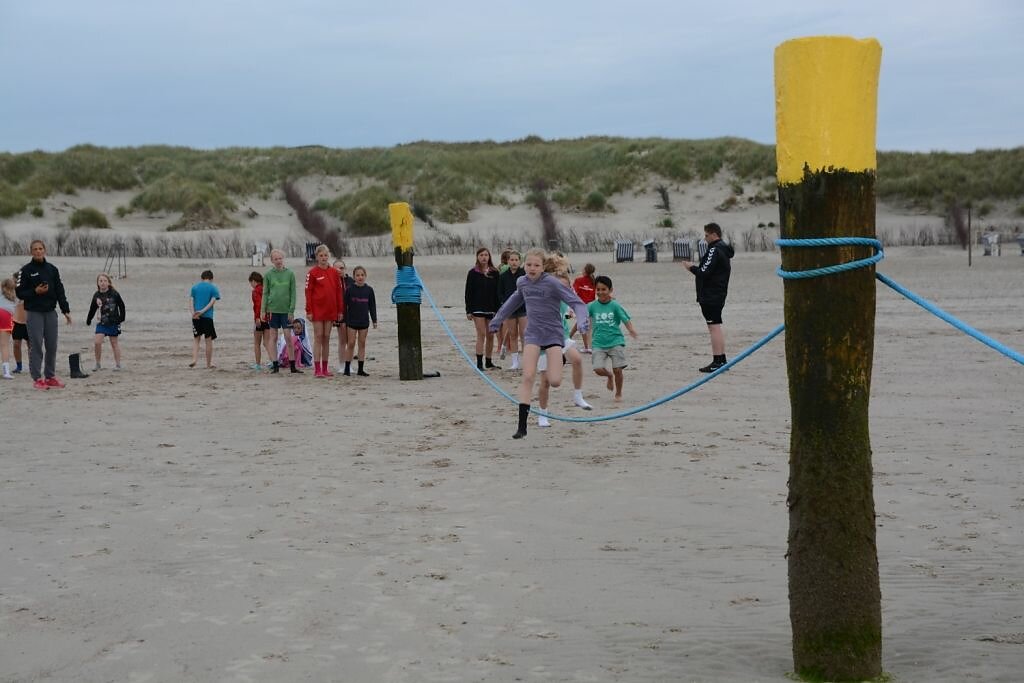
(357,73)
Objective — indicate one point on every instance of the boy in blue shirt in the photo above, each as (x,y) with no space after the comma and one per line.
(608,343)
(202,297)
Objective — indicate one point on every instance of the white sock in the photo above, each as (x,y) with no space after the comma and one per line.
(7,370)
(543,421)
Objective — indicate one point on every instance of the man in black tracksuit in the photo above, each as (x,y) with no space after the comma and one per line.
(40,287)
(712,276)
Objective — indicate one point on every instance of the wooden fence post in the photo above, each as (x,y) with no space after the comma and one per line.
(410,346)
(826,99)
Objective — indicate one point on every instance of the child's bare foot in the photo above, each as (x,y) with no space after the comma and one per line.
(192,364)
(618,398)
(610,383)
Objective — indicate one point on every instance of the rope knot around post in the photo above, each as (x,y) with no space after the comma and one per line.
(408,286)
(831,242)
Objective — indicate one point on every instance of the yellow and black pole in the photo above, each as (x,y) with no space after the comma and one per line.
(826,100)
(406,294)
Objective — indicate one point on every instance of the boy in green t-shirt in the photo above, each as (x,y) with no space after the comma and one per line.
(608,343)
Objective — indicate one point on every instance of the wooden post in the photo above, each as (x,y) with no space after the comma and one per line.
(410,347)
(826,100)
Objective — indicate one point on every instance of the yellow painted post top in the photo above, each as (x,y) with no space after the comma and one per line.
(401,225)
(826,101)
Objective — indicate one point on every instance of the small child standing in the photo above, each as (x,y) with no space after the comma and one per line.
(108,303)
(261,324)
(543,294)
(360,310)
(7,303)
(606,315)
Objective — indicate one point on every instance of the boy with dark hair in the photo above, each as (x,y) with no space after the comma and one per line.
(712,280)
(202,297)
(608,342)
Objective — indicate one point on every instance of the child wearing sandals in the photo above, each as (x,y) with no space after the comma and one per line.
(110,306)
(606,315)
(570,354)
(542,294)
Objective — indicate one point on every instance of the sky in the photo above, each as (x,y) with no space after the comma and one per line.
(367,73)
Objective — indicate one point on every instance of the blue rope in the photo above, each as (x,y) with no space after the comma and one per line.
(861,263)
(831,242)
(407,286)
(963,327)
(597,418)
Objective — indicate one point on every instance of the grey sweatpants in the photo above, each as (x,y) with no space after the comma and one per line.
(42,332)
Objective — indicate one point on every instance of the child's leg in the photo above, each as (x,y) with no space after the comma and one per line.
(5,345)
(209,352)
(542,400)
(481,334)
(17,351)
(362,344)
(576,360)
(609,381)
(195,351)
(617,372)
(270,348)
(530,355)
(554,371)
(342,344)
(257,345)
(352,337)
(361,338)
(97,347)
(115,346)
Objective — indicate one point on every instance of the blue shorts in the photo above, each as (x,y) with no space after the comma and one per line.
(279,321)
(109,330)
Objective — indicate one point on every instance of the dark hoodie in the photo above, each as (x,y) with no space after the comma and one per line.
(35,273)
(712,274)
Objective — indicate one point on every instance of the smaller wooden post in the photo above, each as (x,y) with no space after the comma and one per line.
(410,347)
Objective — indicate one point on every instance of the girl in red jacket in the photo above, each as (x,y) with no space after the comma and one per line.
(585,287)
(324,306)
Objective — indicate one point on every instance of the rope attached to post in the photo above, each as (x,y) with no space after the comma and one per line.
(879,255)
(408,286)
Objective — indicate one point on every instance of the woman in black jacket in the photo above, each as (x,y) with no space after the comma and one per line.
(482,304)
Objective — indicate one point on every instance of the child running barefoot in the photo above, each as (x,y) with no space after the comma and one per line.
(570,354)
(324,306)
(108,303)
(608,343)
(360,309)
(543,294)
(7,304)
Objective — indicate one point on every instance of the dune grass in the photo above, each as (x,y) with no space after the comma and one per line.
(450,179)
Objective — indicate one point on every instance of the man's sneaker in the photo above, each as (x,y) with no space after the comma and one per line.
(54,382)
(711,367)
(40,384)
(543,421)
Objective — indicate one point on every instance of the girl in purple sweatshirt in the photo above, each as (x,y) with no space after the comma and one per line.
(542,294)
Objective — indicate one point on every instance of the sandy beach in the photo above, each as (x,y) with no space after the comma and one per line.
(176,524)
